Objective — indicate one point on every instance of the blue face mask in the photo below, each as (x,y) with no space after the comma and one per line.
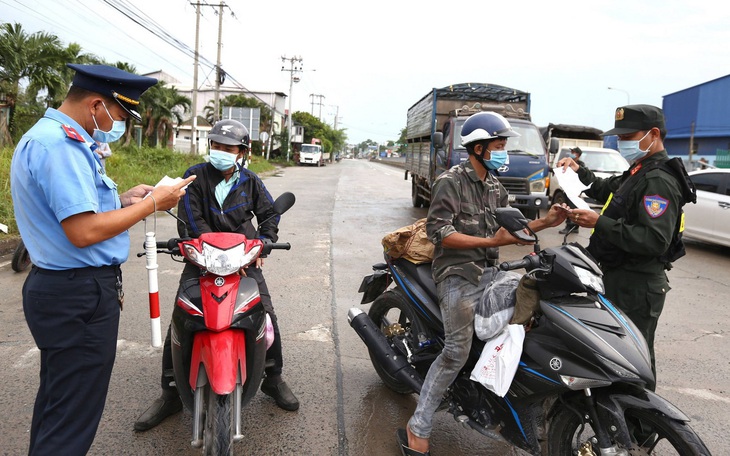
(630,149)
(117,131)
(497,159)
(222,161)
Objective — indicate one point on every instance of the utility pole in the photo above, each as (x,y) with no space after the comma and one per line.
(194,126)
(218,71)
(295,66)
(321,97)
(337,113)
(691,144)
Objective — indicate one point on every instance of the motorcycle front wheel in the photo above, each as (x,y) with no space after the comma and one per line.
(396,321)
(568,436)
(218,435)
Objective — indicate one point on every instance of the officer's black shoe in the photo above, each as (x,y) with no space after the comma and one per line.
(167,404)
(568,229)
(278,389)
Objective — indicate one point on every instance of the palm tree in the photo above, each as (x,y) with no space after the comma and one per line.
(163,106)
(35,58)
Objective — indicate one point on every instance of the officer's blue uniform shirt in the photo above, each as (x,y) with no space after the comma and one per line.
(56,174)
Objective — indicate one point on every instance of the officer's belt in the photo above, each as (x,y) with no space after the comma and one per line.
(89,271)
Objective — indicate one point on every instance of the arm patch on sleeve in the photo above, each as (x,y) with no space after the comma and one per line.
(655,205)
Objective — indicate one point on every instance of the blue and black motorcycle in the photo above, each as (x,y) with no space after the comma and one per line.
(580,388)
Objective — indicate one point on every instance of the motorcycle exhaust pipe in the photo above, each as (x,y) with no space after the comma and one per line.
(396,365)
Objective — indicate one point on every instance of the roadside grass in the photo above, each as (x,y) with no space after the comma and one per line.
(128,166)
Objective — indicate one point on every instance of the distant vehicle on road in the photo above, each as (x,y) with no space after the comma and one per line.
(312,154)
(709,219)
(603,162)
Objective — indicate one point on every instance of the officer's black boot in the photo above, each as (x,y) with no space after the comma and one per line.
(277,388)
(167,404)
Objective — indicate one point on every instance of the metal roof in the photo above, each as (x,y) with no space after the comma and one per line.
(702,110)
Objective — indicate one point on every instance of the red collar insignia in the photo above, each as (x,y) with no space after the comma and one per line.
(636,170)
(73,134)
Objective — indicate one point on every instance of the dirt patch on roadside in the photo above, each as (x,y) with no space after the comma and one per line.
(8,244)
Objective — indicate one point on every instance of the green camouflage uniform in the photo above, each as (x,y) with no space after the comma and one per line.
(461,202)
(634,276)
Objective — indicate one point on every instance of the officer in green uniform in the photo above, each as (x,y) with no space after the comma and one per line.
(638,234)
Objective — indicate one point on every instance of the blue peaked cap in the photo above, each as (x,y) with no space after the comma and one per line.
(126,88)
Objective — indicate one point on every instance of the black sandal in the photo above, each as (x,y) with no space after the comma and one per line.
(402,437)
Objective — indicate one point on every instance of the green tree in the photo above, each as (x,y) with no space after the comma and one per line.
(332,140)
(33,58)
(402,141)
(163,107)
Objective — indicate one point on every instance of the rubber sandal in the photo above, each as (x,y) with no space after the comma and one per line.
(402,437)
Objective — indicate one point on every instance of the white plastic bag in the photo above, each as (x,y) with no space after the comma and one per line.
(499,360)
(497,304)
(269,332)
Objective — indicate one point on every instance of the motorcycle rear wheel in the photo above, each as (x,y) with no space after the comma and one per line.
(670,437)
(218,434)
(21,258)
(396,321)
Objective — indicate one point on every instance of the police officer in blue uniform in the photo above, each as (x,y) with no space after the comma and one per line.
(74,225)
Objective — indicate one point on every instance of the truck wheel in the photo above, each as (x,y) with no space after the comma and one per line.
(559,198)
(531,214)
(415,197)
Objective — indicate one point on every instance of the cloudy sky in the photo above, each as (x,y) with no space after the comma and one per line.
(372,60)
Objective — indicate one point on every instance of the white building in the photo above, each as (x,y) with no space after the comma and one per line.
(206,97)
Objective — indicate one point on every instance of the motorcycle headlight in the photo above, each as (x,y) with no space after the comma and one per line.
(590,280)
(224,262)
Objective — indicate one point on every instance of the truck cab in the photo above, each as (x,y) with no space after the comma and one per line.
(311,154)
(524,175)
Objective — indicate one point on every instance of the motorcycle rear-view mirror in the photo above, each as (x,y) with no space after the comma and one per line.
(284,202)
(514,221)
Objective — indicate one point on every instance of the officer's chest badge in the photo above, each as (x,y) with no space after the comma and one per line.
(655,205)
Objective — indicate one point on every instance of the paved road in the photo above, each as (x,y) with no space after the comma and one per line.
(342,212)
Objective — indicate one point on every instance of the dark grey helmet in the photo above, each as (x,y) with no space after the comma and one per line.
(230,132)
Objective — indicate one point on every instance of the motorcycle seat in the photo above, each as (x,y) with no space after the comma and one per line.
(421,273)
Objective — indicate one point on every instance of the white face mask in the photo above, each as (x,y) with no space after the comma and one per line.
(221,160)
(630,149)
(116,132)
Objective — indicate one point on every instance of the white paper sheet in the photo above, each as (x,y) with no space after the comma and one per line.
(572,186)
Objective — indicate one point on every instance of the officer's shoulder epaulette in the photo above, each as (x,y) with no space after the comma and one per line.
(72,133)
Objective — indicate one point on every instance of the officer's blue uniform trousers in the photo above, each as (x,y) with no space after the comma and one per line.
(73,316)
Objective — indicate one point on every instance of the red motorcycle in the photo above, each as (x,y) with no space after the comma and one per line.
(219,332)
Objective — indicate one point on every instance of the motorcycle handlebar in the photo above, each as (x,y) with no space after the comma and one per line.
(169,244)
(269,246)
(528,262)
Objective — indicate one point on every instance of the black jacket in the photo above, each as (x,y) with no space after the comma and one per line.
(247,198)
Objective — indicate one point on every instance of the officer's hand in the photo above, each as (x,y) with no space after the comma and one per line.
(135,194)
(167,196)
(586,218)
(568,162)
